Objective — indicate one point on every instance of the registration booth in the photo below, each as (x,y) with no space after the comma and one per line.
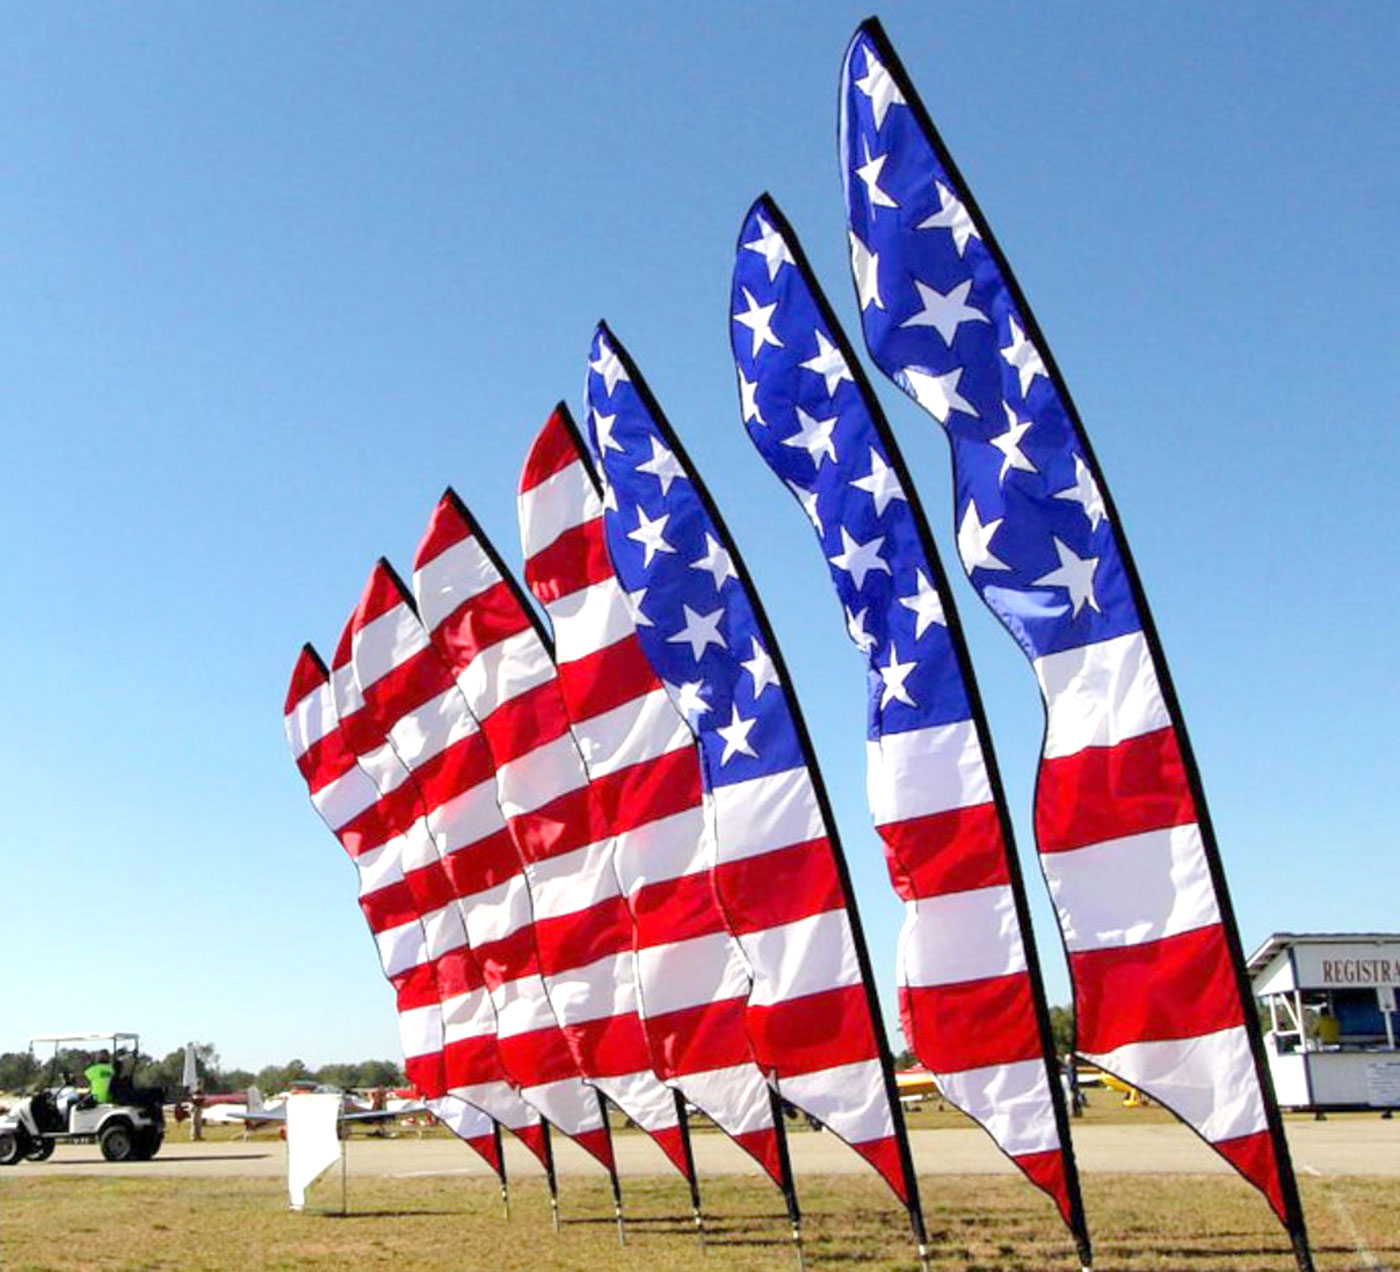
(1331,1029)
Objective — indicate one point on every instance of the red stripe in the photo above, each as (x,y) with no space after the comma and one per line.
(538,1057)
(532,1137)
(325,760)
(1254,1156)
(814,1032)
(1047,1172)
(779,887)
(568,941)
(389,907)
(551,452)
(564,824)
(487,1149)
(762,1146)
(446,527)
(482,865)
(472,1060)
(672,1143)
(609,1047)
(431,887)
(1106,792)
(676,910)
(390,815)
(457,973)
(1179,987)
(606,679)
(406,686)
(972,1024)
(649,790)
(526,722)
(953,851)
(883,1154)
(454,771)
(698,1039)
(415,987)
(477,623)
(307,677)
(578,558)
(508,958)
(426,1073)
(381,594)
(598,1143)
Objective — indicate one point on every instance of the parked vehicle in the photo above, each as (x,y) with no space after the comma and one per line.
(128,1126)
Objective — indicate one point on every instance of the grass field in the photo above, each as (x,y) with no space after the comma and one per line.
(1204,1224)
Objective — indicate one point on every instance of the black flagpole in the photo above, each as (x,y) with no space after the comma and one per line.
(789,1182)
(1288,1183)
(612,1174)
(501,1170)
(684,1119)
(551,1177)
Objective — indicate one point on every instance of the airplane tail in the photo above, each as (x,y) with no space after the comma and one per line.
(255,1100)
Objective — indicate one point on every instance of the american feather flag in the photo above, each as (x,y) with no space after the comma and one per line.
(349,803)
(813,1019)
(971,998)
(692,982)
(388,669)
(481,625)
(1161,997)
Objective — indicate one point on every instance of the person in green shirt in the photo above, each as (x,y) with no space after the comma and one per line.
(99,1077)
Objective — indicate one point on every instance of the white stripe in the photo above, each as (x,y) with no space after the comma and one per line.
(401,947)
(418,847)
(1100,695)
(494,913)
(664,849)
(736,1097)
(598,990)
(385,768)
(539,776)
(1132,890)
(521,1007)
(559,503)
(444,930)
(573,881)
(805,956)
(568,1103)
(384,643)
(504,671)
(379,868)
(925,771)
(345,691)
(468,1015)
(963,936)
(849,1098)
(420,1030)
(467,818)
(1012,1101)
(1207,1081)
(643,729)
(590,619)
(310,720)
(341,801)
(501,1101)
(429,730)
(691,973)
(766,813)
(461,1118)
(644,1099)
(450,578)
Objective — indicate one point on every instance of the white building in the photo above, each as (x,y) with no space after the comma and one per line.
(1331,1038)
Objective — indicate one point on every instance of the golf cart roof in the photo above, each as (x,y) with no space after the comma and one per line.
(113,1036)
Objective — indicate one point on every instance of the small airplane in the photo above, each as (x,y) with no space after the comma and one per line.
(255,1112)
(915,1085)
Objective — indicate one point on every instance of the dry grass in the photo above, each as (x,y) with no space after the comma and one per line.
(1207,1224)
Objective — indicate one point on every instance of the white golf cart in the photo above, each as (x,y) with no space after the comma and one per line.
(129,1126)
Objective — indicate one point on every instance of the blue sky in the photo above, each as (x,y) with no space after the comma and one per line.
(272,276)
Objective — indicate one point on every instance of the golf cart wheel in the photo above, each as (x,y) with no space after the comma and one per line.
(118,1142)
(40,1151)
(148,1143)
(9,1148)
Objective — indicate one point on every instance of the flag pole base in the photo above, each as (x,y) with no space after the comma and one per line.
(505,1202)
(700,1229)
(923,1258)
(797,1246)
(554,1213)
(621,1227)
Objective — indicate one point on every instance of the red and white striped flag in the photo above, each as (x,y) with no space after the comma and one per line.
(481,625)
(348,802)
(640,756)
(385,671)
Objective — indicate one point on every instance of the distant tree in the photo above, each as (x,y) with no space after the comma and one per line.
(1062,1029)
(905,1058)
(233,1080)
(18,1071)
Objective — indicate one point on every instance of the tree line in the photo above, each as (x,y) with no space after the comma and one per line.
(21,1071)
